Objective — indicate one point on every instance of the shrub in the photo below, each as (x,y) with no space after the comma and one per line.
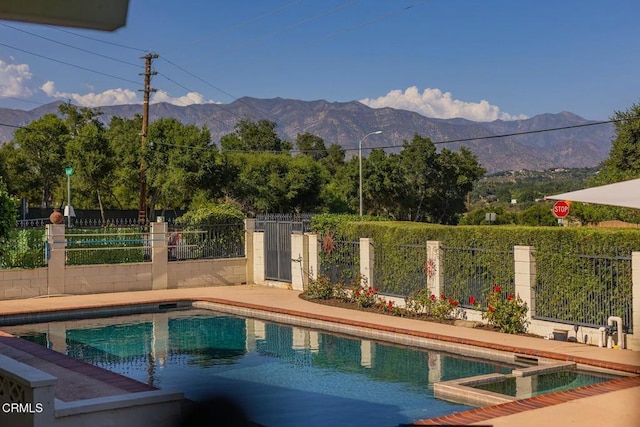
(364,296)
(507,313)
(424,302)
(320,288)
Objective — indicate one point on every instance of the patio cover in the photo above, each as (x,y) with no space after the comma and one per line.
(625,194)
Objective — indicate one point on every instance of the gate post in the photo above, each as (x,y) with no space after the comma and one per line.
(433,268)
(314,256)
(56,261)
(299,261)
(525,277)
(159,256)
(258,258)
(249,229)
(632,341)
(367,261)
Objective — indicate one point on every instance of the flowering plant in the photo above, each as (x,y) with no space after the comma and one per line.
(424,302)
(508,313)
(365,295)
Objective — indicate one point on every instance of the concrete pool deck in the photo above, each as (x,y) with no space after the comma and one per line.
(613,404)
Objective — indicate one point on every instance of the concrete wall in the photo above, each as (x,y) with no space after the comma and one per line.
(61,279)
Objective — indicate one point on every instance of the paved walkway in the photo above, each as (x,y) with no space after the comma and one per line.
(615,405)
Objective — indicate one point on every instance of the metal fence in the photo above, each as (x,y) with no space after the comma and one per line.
(207,241)
(107,246)
(473,272)
(400,270)
(584,289)
(340,260)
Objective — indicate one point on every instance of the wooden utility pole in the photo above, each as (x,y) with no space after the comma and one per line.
(142,207)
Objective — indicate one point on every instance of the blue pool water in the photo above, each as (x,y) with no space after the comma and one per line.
(281,375)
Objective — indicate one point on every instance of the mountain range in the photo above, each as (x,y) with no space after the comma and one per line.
(346,123)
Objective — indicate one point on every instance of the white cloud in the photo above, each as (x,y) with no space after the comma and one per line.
(108,97)
(188,99)
(13,79)
(436,104)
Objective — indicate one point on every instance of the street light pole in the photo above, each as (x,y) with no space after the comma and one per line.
(377,132)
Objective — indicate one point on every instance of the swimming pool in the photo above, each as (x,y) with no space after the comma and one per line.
(282,375)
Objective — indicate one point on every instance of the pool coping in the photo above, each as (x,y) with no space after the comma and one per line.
(464,417)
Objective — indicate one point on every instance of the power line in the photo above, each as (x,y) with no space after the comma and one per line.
(71,65)
(71,46)
(97,40)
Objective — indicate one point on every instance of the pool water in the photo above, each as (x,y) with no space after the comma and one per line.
(544,383)
(281,375)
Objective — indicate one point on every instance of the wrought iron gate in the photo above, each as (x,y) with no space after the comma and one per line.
(277,242)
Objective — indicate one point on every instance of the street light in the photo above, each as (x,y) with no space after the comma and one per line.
(377,132)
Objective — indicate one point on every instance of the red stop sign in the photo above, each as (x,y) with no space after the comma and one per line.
(560,209)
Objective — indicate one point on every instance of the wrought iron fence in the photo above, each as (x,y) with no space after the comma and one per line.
(107,246)
(580,288)
(300,222)
(340,261)
(207,241)
(475,271)
(400,269)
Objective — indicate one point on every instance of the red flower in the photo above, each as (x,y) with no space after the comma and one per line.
(443,297)
(455,303)
(433,297)
(496,289)
(472,300)
(450,301)
(358,293)
(390,304)
(491,309)
(509,297)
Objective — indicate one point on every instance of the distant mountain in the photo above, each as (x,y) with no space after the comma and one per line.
(344,123)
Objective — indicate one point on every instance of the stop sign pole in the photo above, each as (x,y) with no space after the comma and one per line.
(560,209)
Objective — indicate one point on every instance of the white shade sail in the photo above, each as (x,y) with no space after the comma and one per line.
(625,194)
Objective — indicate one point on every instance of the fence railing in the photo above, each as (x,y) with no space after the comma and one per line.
(341,261)
(597,286)
(400,269)
(117,247)
(208,241)
(474,272)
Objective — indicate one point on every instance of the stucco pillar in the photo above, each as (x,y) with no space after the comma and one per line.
(299,261)
(433,268)
(159,256)
(525,276)
(249,229)
(56,258)
(258,258)
(367,261)
(314,256)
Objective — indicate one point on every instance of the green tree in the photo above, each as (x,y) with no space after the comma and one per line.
(8,214)
(254,136)
(91,157)
(123,136)
(624,157)
(311,145)
(42,145)
(179,161)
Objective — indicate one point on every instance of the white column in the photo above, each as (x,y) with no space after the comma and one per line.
(314,256)
(525,276)
(433,268)
(299,261)
(159,255)
(258,258)
(249,229)
(367,261)
(57,259)
(633,340)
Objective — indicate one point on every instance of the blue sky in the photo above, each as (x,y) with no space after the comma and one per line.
(482,60)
